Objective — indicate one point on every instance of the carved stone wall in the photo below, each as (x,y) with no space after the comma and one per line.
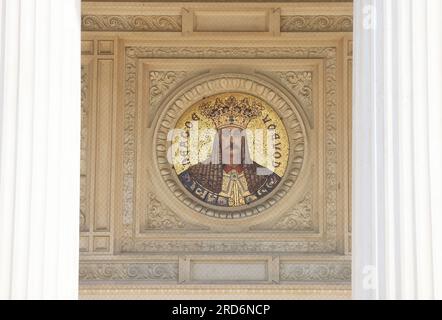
(138,224)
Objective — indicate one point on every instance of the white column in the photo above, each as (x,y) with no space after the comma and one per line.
(397,149)
(39,148)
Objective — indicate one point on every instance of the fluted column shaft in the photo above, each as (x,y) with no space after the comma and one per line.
(397,149)
(39,148)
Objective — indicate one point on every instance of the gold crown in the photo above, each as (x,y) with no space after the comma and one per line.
(231,112)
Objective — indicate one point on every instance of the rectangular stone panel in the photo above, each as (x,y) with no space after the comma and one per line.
(230,21)
(237,271)
(103,157)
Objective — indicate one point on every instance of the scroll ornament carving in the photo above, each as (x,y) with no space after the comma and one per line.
(159,216)
(161,83)
(298,218)
(301,84)
(321,23)
(315,272)
(131,23)
(128,271)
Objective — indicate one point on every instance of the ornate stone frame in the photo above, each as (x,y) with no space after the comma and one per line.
(255,226)
(134,57)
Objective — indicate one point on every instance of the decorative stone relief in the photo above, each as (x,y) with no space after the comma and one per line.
(298,218)
(128,189)
(160,217)
(83,150)
(326,272)
(301,84)
(128,271)
(131,244)
(131,23)
(322,23)
(161,83)
(328,54)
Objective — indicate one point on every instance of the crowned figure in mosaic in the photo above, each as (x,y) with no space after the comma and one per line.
(229,177)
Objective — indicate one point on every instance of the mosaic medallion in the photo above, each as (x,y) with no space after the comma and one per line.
(230,150)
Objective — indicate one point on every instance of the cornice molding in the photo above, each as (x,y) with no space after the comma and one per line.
(171,16)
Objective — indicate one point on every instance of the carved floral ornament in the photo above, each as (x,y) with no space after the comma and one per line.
(230,91)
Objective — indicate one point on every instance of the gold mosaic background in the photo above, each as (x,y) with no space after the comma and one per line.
(205,142)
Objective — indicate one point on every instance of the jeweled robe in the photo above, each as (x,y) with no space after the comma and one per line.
(221,185)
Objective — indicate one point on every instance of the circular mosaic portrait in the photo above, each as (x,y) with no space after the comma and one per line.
(229,150)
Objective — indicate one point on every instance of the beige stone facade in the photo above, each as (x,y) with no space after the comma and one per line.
(143,64)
